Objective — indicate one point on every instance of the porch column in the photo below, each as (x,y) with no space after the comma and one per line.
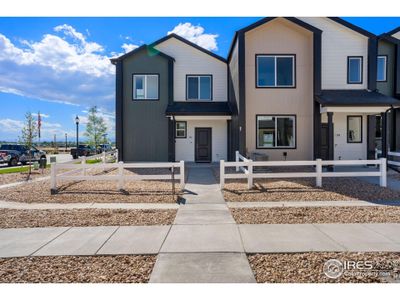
(330,136)
(384,134)
(371,130)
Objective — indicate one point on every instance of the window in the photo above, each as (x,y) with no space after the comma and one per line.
(198,87)
(275,71)
(145,87)
(354,69)
(382,65)
(276,131)
(180,131)
(354,129)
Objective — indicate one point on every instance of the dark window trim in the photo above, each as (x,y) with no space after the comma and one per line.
(347,129)
(153,99)
(348,69)
(211,87)
(277,54)
(278,115)
(386,67)
(180,137)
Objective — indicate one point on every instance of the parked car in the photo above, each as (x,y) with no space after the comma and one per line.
(104,148)
(14,153)
(83,150)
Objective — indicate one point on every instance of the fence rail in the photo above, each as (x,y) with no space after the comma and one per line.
(390,162)
(120,177)
(246,166)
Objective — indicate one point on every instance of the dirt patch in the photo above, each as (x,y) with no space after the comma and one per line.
(148,191)
(308,267)
(77,269)
(21,218)
(22,176)
(300,215)
(305,190)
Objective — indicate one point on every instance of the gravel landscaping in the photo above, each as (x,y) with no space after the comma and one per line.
(305,190)
(307,215)
(22,176)
(308,267)
(94,191)
(20,218)
(77,269)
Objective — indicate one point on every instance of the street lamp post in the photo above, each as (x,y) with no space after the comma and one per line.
(66,142)
(77,131)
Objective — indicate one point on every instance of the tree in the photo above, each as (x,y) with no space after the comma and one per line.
(96,128)
(28,134)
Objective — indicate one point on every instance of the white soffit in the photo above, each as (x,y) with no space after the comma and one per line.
(354,109)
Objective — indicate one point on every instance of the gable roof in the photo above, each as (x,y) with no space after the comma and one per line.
(391,32)
(269,19)
(353,27)
(389,38)
(150,50)
(187,42)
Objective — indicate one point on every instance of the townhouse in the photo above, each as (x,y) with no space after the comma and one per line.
(291,88)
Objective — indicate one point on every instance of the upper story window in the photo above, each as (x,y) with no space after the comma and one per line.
(275,71)
(354,69)
(381,68)
(199,87)
(145,86)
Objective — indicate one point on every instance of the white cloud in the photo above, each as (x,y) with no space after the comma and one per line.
(65,69)
(10,125)
(196,35)
(128,47)
(42,115)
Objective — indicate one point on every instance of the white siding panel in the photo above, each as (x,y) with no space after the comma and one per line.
(396,35)
(339,42)
(184,148)
(189,60)
(234,71)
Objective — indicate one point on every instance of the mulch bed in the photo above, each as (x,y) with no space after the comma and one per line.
(300,215)
(308,267)
(77,269)
(305,190)
(22,176)
(21,218)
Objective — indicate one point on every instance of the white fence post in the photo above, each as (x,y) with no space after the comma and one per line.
(222,173)
(250,174)
(182,173)
(382,178)
(319,172)
(237,159)
(53,178)
(121,175)
(116,155)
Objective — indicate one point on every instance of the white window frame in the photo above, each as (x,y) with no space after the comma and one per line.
(293,117)
(276,71)
(198,87)
(145,86)
(361,60)
(180,129)
(385,68)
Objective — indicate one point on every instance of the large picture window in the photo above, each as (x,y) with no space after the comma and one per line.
(145,86)
(354,69)
(274,71)
(199,87)
(381,68)
(276,131)
(354,129)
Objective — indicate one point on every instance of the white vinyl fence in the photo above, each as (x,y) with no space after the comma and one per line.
(79,172)
(392,155)
(247,165)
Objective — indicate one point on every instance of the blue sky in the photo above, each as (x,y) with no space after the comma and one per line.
(60,66)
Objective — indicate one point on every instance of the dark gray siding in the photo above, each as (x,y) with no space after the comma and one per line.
(385,48)
(145,126)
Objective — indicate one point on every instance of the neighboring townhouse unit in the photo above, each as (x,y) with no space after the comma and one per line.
(172,103)
(306,88)
(291,88)
(388,80)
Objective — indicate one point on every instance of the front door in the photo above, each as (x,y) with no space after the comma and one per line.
(202,144)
